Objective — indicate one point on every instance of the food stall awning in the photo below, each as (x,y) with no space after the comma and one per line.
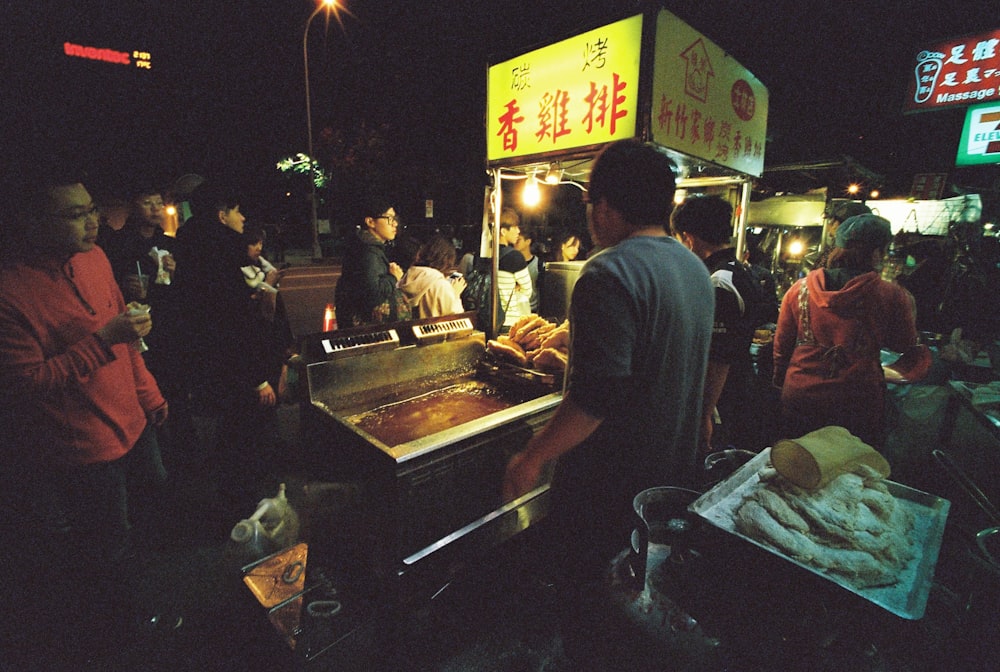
(789,210)
(649,76)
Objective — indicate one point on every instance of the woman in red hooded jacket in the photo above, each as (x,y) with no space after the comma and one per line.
(831,329)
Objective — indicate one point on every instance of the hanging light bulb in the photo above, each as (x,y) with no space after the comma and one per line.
(554,174)
(531,195)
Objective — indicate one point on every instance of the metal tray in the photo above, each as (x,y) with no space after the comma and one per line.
(908,597)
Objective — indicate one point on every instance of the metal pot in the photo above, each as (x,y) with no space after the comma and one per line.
(721,464)
(664,520)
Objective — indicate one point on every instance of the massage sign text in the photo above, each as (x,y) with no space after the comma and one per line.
(956,72)
(574,93)
(136,58)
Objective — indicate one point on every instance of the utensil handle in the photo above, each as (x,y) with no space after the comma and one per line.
(956,472)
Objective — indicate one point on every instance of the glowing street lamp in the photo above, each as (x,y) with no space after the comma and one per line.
(329,5)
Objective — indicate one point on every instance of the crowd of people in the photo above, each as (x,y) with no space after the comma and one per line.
(114,410)
(660,371)
(661,324)
(389,278)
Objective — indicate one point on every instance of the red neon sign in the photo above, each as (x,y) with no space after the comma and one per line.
(142,58)
(957,72)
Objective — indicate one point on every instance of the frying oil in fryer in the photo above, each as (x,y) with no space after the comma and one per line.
(430,413)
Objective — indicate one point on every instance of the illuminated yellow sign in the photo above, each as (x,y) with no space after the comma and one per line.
(578,92)
(141,59)
(705,104)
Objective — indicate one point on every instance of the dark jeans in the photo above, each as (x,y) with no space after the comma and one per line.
(66,538)
(83,515)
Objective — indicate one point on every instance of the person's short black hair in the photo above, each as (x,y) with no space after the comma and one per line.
(28,190)
(509,218)
(253,234)
(377,205)
(637,180)
(26,193)
(527,230)
(211,197)
(144,187)
(709,218)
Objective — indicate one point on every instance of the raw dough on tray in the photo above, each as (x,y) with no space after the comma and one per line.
(852,526)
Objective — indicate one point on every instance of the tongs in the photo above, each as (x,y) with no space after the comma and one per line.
(499,367)
(960,477)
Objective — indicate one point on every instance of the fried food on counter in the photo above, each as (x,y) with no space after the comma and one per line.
(533,340)
(508,349)
(852,527)
(524,325)
(549,359)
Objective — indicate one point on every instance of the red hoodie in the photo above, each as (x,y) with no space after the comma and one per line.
(834,375)
(74,400)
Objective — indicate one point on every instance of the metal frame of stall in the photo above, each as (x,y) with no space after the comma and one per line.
(640,61)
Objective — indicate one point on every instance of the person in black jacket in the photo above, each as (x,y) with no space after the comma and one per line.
(366,292)
(227,362)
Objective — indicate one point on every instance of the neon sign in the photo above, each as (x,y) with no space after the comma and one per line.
(141,59)
(960,71)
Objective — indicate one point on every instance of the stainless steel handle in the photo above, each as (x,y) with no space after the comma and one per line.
(960,477)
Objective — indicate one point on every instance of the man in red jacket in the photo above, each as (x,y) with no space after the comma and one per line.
(76,402)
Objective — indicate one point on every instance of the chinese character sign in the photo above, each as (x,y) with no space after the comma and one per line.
(961,71)
(575,93)
(705,104)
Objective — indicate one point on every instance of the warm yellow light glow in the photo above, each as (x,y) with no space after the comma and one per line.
(333,8)
(796,248)
(679,196)
(853,189)
(531,194)
(874,194)
(170,210)
(554,174)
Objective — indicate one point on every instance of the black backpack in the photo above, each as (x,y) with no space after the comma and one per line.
(479,291)
(765,300)
(760,304)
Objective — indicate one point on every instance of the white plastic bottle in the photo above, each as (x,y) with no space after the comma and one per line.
(273,526)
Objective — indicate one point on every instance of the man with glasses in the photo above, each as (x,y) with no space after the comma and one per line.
(73,381)
(366,292)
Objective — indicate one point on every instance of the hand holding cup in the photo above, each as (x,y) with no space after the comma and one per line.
(127,327)
(136,286)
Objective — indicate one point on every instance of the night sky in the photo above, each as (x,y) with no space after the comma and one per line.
(225,90)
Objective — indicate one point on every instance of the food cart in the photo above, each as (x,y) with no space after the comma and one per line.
(649,76)
(381,400)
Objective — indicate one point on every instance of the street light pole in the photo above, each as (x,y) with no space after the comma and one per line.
(317,250)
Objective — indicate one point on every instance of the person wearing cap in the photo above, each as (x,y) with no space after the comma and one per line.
(834,219)
(831,328)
